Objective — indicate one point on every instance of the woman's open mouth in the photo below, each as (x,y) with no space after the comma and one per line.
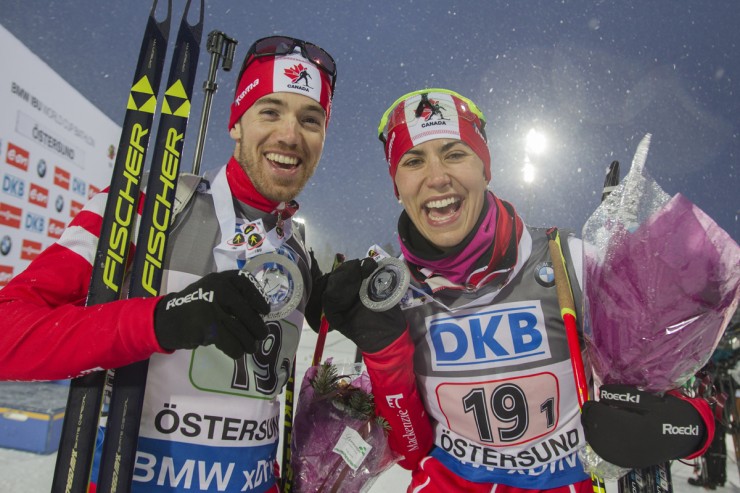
(441,210)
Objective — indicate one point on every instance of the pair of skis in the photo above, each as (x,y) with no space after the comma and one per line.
(654,479)
(77,444)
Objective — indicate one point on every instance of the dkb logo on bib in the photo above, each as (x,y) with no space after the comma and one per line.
(512,334)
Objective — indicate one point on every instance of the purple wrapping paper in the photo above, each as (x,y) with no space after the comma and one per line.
(317,426)
(658,299)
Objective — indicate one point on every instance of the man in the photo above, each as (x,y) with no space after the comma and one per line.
(211,413)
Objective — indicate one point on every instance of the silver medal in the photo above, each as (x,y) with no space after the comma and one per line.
(386,286)
(281,281)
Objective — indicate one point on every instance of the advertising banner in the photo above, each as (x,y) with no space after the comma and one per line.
(56,151)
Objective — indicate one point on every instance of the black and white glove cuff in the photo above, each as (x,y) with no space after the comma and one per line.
(636,429)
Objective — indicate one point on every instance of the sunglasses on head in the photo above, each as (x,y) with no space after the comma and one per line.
(467,109)
(285,45)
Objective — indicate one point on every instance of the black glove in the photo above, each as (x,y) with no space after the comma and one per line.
(223,308)
(370,331)
(636,429)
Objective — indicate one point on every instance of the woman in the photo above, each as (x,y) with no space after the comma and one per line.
(472,370)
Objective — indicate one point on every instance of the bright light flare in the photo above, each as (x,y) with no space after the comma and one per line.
(528,172)
(536,142)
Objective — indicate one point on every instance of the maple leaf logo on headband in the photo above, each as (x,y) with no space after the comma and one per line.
(298,73)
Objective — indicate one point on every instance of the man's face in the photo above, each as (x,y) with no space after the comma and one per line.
(442,186)
(279,143)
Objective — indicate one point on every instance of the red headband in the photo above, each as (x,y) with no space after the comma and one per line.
(445,116)
(290,73)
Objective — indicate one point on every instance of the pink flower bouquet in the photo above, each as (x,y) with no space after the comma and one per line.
(338,442)
(661,283)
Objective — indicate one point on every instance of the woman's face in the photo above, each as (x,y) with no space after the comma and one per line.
(442,186)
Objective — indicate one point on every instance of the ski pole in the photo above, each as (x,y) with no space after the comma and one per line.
(568,313)
(221,47)
(324,327)
(286,469)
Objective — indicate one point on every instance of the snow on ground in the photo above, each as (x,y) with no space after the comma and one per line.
(22,472)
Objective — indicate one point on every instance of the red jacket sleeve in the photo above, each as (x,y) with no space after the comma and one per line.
(47,332)
(397,400)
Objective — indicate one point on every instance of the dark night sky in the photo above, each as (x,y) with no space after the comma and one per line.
(593,76)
